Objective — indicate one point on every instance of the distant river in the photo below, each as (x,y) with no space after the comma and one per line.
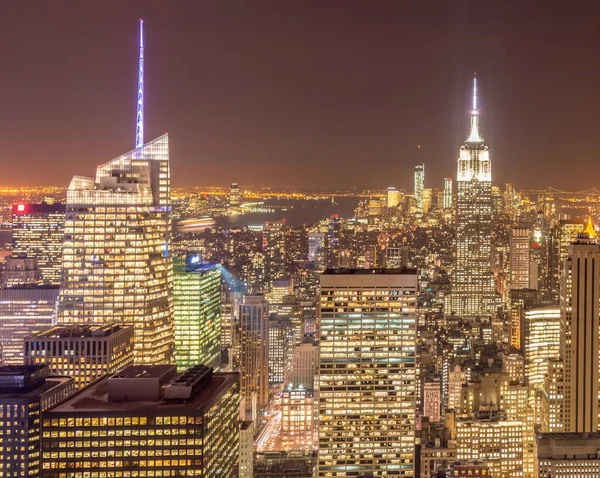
(299,212)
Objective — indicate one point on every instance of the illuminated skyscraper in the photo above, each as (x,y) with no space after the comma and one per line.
(447,199)
(281,338)
(116,262)
(393,197)
(147,421)
(432,399)
(317,251)
(473,292)
(85,353)
(25,393)
(235,196)
(519,258)
(246,449)
(305,363)
(542,341)
(37,232)
(419,185)
(197,319)
(579,302)
(367,379)
(24,312)
(333,242)
(274,249)
(254,352)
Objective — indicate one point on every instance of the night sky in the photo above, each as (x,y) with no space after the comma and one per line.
(331,93)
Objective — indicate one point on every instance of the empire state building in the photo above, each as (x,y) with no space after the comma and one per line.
(473,292)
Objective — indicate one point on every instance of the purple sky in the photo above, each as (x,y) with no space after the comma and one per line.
(334,93)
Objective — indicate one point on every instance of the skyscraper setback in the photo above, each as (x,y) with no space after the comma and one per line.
(116,262)
(473,292)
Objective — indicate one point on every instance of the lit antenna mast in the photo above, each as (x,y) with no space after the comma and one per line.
(474,92)
(139,129)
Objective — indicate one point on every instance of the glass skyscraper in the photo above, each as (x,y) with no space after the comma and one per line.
(116,261)
(197,300)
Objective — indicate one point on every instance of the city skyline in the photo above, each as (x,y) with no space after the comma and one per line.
(266,86)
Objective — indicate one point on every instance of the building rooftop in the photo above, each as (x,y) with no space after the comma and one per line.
(22,381)
(341,271)
(81,331)
(33,208)
(94,398)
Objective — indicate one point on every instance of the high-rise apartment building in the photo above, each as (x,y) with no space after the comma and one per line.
(473,292)
(25,393)
(519,259)
(298,419)
(520,301)
(542,342)
(254,352)
(85,352)
(367,377)
(117,265)
(305,363)
(281,338)
(317,250)
(274,248)
(280,290)
(334,231)
(24,312)
(447,198)
(197,317)
(419,186)
(146,421)
(432,399)
(457,377)
(37,232)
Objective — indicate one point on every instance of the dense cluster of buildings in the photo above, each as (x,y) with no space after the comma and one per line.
(435,333)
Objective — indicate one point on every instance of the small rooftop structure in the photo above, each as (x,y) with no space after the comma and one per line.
(403,270)
(80,331)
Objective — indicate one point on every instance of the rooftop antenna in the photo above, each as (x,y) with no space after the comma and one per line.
(139,129)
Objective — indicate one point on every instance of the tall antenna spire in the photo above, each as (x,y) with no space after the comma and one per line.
(474,134)
(139,129)
(474,91)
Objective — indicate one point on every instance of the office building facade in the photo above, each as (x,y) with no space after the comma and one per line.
(197,312)
(25,393)
(37,233)
(254,352)
(24,312)
(146,421)
(367,378)
(85,352)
